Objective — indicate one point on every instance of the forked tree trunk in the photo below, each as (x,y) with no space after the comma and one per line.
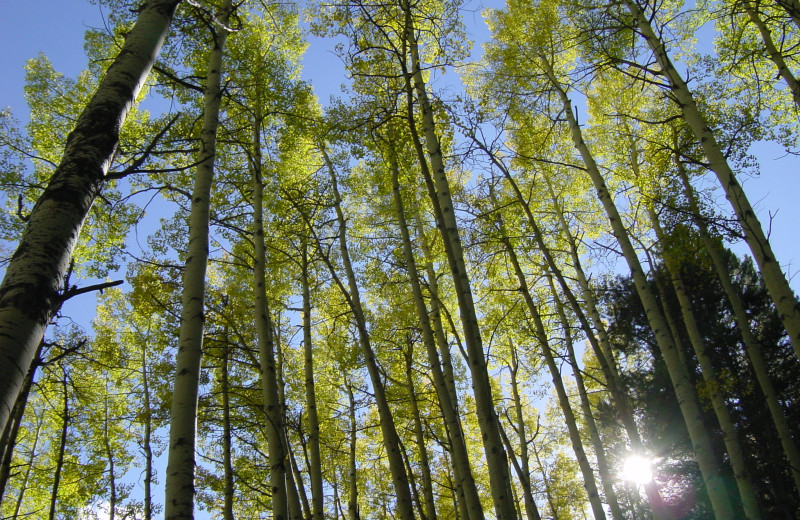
(684,390)
(523,466)
(449,409)
(179,488)
(30,289)
(439,193)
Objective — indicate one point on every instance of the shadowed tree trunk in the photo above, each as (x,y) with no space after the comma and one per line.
(29,293)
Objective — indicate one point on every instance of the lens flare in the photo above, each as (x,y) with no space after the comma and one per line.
(637,470)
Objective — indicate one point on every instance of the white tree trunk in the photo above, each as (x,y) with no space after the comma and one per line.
(179,487)
(684,390)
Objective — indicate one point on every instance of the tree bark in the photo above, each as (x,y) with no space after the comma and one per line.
(730,437)
(391,440)
(603,468)
(563,400)
(449,409)
(750,342)
(179,488)
(424,462)
(30,289)
(315,469)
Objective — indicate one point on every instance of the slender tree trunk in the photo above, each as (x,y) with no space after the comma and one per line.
(23,487)
(179,488)
(600,344)
(681,383)
(772,51)
(10,433)
(439,192)
(774,279)
(391,440)
(112,477)
(445,396)
(563,399)
(424,462)
(62,447)
(352,475)
(602,349)
(227,463)
(294,481)
(547,489)
(412,482)
(315,468)
(266,345)
(29,293)
(146,446)
(297,477)
(523,466)
(603,467)
(751,343)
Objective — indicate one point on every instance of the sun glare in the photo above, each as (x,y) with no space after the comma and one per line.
(637,470)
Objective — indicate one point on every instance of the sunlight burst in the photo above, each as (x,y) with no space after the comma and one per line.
(637,470)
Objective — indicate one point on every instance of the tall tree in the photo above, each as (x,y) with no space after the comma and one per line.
(30,288)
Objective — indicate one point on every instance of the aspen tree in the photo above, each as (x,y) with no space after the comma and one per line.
(751,343)
(30,288)
(435,177)
(549,355)
(179,489)
(466,481)
(391,440)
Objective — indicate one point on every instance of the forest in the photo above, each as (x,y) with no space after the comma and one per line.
(462,288)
